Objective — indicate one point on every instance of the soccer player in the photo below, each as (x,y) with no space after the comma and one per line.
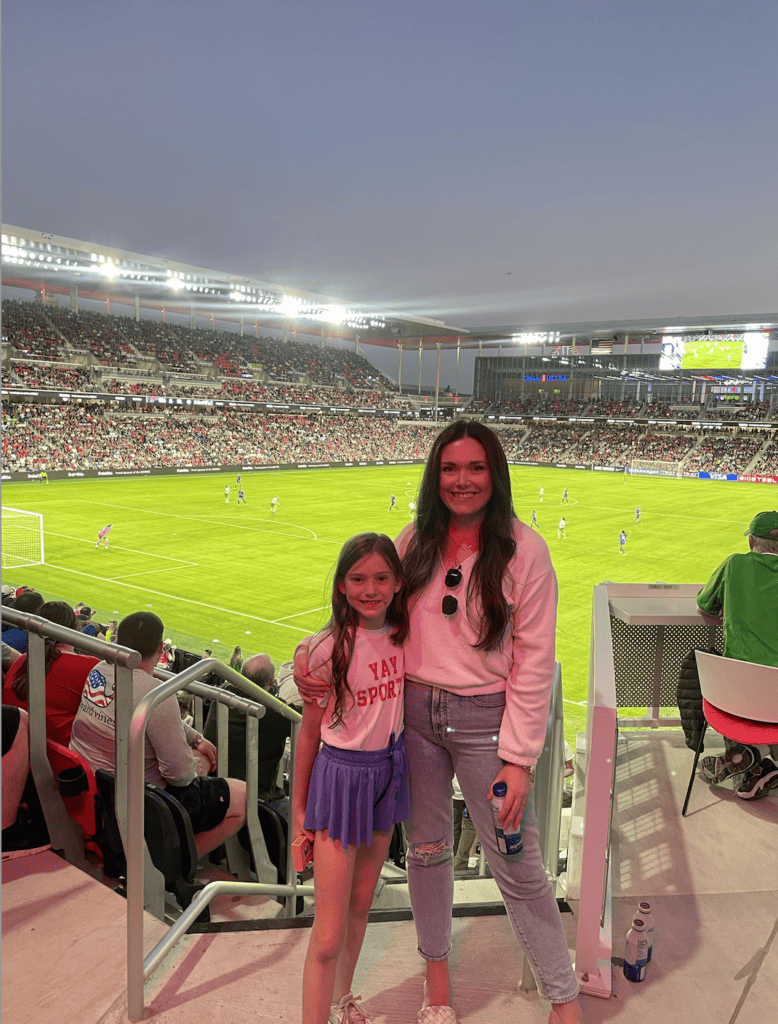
(534,523)
(391,502)
(622,542)
(103,535)
(274,504)
(637,515)
(44,477)
(227,494)
(565,500)
(560,530)
(412,509)
(541,494)
(237,480)
(241,496)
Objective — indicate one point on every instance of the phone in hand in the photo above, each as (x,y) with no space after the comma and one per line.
(302,853)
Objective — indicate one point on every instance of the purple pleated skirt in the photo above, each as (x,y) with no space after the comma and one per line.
(354,793)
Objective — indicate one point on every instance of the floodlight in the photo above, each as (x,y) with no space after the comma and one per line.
(334,314)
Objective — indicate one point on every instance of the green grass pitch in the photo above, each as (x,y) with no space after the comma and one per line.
(220,575)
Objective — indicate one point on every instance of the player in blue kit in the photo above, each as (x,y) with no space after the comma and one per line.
(637,515)
(622,542)
(565,500)
(534,523)
(241,496)
(392,502)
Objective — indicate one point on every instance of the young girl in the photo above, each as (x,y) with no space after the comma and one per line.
(349,794)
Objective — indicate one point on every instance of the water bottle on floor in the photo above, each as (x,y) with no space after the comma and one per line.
(509,843)
(644,912)
(636,951)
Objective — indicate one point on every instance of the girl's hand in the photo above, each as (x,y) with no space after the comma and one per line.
(298,828)
(518,782)
(310,689)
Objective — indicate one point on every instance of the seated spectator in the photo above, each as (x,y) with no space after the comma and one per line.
(84,622)
(177,757)
(29,601)
(24,830)
(742,594)
(10,655)
(66,673)
(274,730)
(286,688)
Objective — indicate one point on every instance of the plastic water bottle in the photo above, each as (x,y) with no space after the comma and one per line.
(509,844)
(644,913)
(636,951)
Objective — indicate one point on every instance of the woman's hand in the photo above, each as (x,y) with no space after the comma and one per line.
(518,781)
(310,689)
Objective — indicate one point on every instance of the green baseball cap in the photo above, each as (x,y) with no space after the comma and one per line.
(762,525)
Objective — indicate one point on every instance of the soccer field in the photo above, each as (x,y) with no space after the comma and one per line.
(220,575)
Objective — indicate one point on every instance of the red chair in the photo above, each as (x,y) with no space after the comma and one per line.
(83,806)
(739,700)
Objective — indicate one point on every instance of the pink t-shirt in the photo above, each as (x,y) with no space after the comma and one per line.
(374,708)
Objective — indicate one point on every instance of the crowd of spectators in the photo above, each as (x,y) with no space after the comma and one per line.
(658,446)
(600,446)
(724,453)
(767,462)
(90,436)
(615,407)
(51,332)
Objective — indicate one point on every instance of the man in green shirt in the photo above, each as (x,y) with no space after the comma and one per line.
(742,594)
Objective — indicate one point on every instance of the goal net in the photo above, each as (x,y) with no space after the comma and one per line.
(654,467)
(22,538)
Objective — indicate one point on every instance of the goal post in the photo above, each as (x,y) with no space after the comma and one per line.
(654,467)
(22,538)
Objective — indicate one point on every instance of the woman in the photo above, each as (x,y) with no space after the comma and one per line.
(479,664)
(66,673)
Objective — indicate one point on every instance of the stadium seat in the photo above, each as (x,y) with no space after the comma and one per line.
(169,838)
(738,701)
(84,806)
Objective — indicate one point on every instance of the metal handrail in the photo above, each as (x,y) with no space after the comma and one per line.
(137,969)
(130,734)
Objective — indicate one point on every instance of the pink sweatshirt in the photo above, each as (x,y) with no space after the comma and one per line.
(440,651)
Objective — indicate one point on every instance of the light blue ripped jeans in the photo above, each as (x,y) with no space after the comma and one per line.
(447,734)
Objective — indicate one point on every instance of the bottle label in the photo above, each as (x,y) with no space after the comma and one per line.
(510,845)
(636,971)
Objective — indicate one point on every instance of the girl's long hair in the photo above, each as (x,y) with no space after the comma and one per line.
(496,544)
(344,621)
(55,611)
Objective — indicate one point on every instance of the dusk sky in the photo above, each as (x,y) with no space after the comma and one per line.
(482,163)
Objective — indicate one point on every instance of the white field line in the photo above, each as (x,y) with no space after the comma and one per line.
(179,598)
(207,518)
(308,611)
(151,572)
(119,547)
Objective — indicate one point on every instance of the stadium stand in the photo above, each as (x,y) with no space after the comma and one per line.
(323,392)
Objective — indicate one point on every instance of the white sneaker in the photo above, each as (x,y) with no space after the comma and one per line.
(348,1011)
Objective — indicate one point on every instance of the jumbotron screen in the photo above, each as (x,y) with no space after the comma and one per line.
(746,351)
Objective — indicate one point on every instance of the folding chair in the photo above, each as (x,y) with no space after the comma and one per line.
(739,700)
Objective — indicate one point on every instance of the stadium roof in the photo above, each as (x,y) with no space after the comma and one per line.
(42,260)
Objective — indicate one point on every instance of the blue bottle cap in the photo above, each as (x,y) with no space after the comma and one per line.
(500,788)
